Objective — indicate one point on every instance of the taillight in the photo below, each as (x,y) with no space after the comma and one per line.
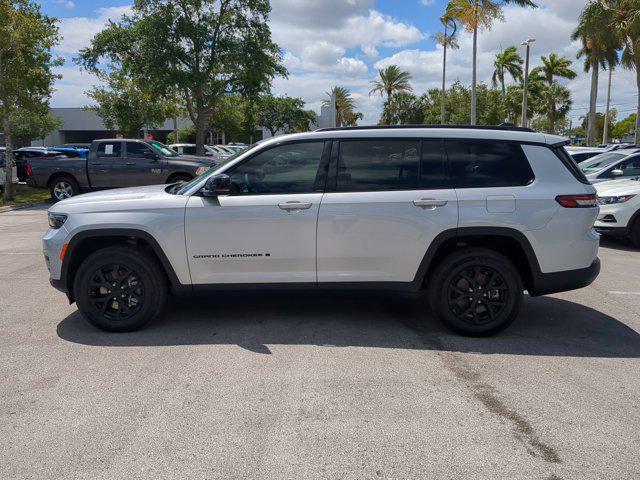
(577,201)
(29,171)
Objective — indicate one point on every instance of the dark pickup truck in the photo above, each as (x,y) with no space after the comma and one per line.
(114,163)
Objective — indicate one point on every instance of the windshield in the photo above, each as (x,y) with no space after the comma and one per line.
(187,186)
(162,148)
(600,161)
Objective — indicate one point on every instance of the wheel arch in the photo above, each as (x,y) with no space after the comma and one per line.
(87,242)
(57,175)
(509,242)
(178,174)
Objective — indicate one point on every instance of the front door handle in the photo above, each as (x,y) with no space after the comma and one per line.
(131,163)
(294,206)
(430,203)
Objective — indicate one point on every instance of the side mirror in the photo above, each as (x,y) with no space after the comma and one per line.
(217,185)
(617,173)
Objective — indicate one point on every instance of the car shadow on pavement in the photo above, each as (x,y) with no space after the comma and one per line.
(618,243)
(547,326)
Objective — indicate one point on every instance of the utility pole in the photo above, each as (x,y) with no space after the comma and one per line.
(525,92)
(605,133)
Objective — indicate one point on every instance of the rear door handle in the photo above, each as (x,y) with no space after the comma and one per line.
(294,206)
(430,203)
(131,163)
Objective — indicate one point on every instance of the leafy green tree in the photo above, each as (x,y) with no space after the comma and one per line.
(125,106)
(203,49)
(447,40)
(509,61)
(346,114)
(391,80)
(626,23)
(28,125)
(228,117)
(555,102)
(284,114)
(476,15)
(555,66)
(186,134)
(403,109)
(26,63)
(625,126)
(600,44)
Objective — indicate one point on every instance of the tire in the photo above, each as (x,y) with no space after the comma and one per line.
(180,178)
(635,233)
(63,187)
(457,298)
(136,273)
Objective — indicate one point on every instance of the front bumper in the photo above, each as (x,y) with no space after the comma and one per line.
(546,283)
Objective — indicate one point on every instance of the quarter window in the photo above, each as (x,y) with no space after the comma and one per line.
(480,164)
(285,169)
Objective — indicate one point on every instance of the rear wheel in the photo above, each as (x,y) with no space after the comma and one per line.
(179,178)
(120,289)
(63,187)
(476,292)
(635,233)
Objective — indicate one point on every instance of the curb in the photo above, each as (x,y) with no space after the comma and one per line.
(20,206)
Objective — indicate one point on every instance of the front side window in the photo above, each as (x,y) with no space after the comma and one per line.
(137,150)
(482,164)
(279,170)
(630,168)
(378,165)
(109,149)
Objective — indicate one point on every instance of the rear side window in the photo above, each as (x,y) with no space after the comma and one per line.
(375,165)
(481,164)
(109,149)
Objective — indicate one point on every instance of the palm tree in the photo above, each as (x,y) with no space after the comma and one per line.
(555,66)
(447,41)
(555,103)
(600,45)
(345,107)
(509,62)
(391,80)
(626,23)
(475,15)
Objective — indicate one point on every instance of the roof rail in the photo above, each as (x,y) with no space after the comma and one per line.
(466,127)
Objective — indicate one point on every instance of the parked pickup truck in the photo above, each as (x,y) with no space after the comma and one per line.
(113,163)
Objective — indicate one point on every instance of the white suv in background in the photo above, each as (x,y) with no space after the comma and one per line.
(475,216)
(620,209)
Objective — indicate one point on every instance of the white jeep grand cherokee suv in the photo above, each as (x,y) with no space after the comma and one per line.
(473,215)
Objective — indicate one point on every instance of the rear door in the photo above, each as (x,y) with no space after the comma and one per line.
(143,165)
(386,200)
(101,163)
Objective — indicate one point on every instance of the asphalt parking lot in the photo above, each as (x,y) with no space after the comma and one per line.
(316,386)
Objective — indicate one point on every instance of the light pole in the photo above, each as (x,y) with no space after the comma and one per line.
(528,43)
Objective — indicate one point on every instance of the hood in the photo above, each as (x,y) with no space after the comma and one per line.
(204,161)
(104,198)
(615,188)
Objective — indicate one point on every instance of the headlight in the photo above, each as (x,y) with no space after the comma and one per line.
(613,200)
(56,220)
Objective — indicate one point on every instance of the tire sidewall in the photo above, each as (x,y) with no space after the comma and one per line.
(138,263)
(450,267)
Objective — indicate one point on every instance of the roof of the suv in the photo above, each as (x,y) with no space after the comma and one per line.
(480,133)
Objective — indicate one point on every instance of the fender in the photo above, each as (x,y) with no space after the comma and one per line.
(79,237)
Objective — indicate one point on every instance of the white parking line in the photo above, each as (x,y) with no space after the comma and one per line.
(615,292)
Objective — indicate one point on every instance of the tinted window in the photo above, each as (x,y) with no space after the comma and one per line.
(109,149)
(630,167)
(135,149)
(476,163)
(285,169)
(189,150)
(432,171)
(374,165)
(601,161)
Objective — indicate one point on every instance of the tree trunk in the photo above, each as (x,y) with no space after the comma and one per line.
(605,130)
(444,76)
(8,156)
(591,124)
(475,61)
(201,133)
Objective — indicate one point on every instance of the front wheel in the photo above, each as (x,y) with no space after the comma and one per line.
(476,292)
(120,289)
(63,187)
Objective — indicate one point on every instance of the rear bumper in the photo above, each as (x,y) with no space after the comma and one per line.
(546,283)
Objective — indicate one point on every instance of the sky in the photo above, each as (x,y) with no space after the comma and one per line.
(345,42)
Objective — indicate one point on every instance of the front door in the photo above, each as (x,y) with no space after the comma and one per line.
(143,166)
(265,231)
(390,199)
